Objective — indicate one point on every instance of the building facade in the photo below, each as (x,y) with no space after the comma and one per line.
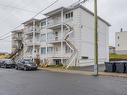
(17,46)
(66,36)
(120,42)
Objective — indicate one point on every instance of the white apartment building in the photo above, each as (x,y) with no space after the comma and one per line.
(121,42)
(66,36)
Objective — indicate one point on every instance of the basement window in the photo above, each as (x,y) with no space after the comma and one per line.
(84,57)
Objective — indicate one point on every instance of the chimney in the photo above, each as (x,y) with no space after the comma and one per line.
(121,30)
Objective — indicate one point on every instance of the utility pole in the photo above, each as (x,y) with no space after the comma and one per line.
(95,38)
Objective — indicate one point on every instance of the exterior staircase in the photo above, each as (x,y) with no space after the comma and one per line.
(17,52)
(73,59)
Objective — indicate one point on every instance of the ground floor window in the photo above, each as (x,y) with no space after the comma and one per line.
(43,50)
(49,50)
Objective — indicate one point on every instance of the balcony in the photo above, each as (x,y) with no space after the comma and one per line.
(54,23)
(30,42)
(17,38)
(57,55)
(30,30)
(54,40)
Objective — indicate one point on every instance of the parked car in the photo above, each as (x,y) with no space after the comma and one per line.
(8,63)
(26,64)
(1,62)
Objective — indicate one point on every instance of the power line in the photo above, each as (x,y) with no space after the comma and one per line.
(13,7)
(5,37)
(45,8)
(2,20)
(40,12)
(9,32)
(32,17)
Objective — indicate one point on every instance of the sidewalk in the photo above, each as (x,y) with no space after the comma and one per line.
(88,73)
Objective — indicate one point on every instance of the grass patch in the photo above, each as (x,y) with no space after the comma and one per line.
(55,66)
(118,57)
(3,56)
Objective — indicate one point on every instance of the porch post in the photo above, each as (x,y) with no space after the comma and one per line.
(62,30)
(33,40)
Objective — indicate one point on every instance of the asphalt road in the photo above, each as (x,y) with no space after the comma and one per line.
(40,82)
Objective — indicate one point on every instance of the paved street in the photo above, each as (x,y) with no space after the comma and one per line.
(39,82)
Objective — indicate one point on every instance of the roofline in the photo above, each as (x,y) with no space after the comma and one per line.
(75,7)
(28,21)
(17,31)
(93,15)
(55,10)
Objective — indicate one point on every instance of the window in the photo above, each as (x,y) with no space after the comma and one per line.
(118,37)
(56,49)
(49,50)
(69,15)
(43,50)
(66,16)
(118,45)
(43,38)
(50,36)
(43,23)
(56,33)
(84,57)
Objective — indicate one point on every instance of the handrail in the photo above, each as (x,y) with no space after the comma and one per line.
(75,54)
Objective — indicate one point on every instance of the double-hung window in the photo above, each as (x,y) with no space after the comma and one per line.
(43,51)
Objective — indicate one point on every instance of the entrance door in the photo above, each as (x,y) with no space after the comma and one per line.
(57,61)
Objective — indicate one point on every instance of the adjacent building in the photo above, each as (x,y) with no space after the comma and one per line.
(121,42)
(65,36)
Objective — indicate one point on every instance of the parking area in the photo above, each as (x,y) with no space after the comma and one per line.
(41,82)
(21,64)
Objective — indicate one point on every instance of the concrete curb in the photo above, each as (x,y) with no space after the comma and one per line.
(68,71)
(119,75)
(88,73)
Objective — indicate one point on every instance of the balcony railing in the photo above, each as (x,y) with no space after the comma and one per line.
(30,42)
(58,38)
(54,23)
(31,30)
(17,38)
